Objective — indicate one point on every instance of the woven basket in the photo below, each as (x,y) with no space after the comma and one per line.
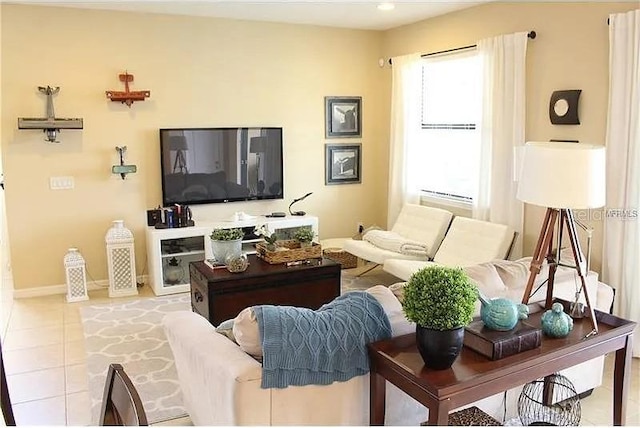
(338,255)
(293,252)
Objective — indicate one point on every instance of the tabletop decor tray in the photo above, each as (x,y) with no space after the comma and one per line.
(288,251)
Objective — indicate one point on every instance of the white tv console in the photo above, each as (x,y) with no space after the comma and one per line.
(188,244)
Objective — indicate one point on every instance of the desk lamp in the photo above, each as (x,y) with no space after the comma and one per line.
(561,177)
(298,200)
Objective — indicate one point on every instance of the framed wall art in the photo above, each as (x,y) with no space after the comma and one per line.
(343,117)
(563,107)
(343,163)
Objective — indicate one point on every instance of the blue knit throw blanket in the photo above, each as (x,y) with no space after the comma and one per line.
(302,347)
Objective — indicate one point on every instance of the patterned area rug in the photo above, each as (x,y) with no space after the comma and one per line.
(130,333)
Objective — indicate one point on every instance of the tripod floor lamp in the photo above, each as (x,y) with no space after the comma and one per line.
(561,177)
(179,144)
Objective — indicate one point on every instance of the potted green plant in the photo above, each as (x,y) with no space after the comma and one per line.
(304,236)
(440,300)
(225,243)
(270,239)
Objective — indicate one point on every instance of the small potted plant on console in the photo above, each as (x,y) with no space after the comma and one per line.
(440,300)
(269,239)
(225,243)
(304,236)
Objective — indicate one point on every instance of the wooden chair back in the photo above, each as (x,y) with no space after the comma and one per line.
(121,404)
(7,410)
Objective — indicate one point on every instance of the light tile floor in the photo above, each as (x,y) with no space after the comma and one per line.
(45,361)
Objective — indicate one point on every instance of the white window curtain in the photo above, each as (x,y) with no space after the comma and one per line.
(405,126)
(621,258)
(502,130)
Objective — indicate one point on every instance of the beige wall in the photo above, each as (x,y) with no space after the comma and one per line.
(201,72)
(570,52)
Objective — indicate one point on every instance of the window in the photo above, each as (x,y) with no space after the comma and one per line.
(447,153)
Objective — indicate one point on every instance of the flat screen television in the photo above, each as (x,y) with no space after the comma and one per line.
(213,165)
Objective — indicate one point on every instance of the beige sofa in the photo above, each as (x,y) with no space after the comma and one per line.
(221,383)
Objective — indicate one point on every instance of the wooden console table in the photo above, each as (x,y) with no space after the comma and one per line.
(219,295)
(473,376)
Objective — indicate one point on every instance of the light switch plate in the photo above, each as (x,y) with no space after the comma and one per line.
(61,183)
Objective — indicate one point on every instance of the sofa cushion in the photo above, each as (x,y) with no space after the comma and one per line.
(387,300)
(486,278)
(483,275)
(226,329)
(245,330)
(424,224)
(398,290)
(469,241)
(403,269)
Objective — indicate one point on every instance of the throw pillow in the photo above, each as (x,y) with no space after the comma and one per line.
(387,300)
(398,290)
(226,329)
(246,332)
(486,278)
(515,273)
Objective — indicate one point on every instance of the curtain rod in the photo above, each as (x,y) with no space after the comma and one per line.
(532,35)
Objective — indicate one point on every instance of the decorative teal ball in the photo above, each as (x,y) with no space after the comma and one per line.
(555,323)
(501,314)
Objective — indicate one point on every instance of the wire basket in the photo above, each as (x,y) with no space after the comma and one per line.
(549,401)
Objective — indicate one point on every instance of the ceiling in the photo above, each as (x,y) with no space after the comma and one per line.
(362,14)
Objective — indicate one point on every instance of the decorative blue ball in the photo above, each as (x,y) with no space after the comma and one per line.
(555,323)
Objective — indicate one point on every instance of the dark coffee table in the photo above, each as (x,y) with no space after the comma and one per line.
(219,295)
(473,376)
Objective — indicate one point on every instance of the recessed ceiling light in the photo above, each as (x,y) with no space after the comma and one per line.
(386,6)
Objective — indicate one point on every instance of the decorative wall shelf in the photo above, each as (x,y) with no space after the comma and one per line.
(127,97)
(123,169)
(51,125)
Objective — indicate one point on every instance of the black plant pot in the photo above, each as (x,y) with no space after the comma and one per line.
(439,348)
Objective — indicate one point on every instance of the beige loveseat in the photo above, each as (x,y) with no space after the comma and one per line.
(221,382)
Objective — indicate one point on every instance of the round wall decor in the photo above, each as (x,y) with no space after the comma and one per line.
(563,107)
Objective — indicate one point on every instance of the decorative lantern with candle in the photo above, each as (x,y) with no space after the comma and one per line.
(75,273)
(121,261)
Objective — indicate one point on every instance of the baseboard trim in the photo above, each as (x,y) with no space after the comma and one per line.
(52,290)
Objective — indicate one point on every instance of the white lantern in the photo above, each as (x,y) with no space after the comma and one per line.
(76,276)
(121,261)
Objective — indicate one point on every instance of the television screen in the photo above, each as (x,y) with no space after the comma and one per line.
(210,165)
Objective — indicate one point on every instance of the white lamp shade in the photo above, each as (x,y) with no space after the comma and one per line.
(563,175)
